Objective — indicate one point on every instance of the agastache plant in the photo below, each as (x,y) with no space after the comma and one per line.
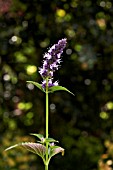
(46,147)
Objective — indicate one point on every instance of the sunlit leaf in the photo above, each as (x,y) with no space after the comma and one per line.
(36,148)
(37,85)
(11,147)
(58,88)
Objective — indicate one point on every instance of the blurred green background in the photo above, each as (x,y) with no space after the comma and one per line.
(82,123)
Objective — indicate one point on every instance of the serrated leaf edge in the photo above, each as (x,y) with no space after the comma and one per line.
(29,145)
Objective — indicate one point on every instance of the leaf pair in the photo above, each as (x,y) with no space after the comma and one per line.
(39,149)
(51,89)
(44,140)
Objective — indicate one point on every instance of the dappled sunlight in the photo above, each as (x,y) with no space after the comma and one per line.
(83,123)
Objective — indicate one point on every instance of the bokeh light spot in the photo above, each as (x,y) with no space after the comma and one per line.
(109,105)
(6,77)
(104,115)
(60,12)
(68,51)
(30,69)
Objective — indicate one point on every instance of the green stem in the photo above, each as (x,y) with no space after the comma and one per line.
(46,167)
(47,122)
(47,112)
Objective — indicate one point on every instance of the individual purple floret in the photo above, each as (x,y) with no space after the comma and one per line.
(51,63)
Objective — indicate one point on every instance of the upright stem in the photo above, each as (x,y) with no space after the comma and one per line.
(47,122)
(46,167)
(47,112)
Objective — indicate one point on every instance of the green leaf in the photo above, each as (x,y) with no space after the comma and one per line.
(37,85)
(50,140)
(55,150)
(57,88)
(40,136)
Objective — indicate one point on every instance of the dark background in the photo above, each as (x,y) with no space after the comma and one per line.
(82,123)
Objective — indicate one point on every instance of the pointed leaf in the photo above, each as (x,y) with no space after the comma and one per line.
(37,85)
(11,147)
(50,140)
(36,148)
(57,88)
(40,136)
(55,150)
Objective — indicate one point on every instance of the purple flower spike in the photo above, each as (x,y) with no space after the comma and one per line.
(51,63)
